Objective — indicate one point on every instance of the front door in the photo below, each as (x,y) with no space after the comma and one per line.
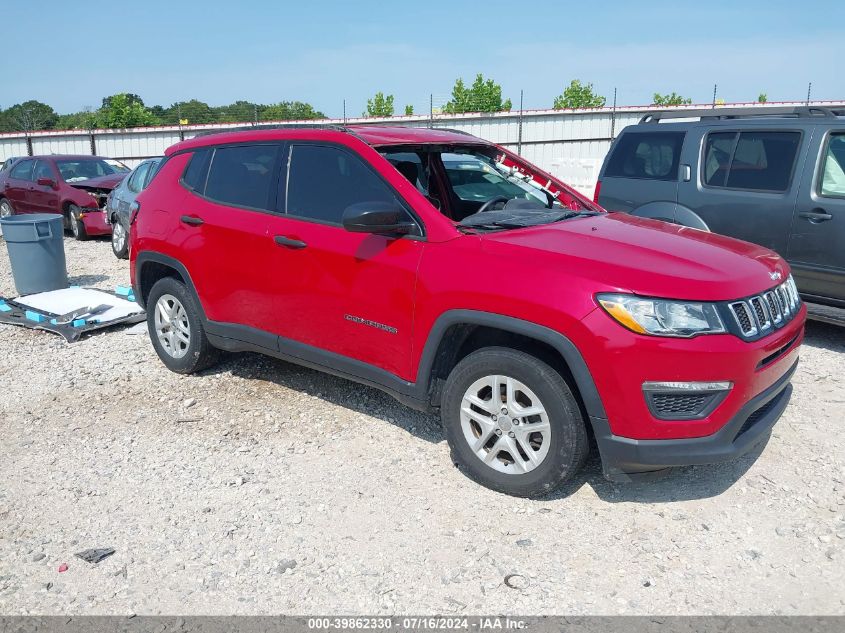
(348,293)
(746,185)
(817,246)
(44,198)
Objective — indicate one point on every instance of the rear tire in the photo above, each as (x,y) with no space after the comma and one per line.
(76,226)
(176,330)
(532,413)
(119,239)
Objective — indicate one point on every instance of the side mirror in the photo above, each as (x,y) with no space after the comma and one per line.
(381,218)
(47,182)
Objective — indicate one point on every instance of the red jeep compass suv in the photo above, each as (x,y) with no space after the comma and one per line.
(454,275)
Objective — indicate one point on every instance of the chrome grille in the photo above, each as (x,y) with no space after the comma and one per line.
(768,311)
(744,318)
(774,307)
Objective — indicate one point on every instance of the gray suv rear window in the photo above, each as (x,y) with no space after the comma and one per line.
(760,161)
(647,155)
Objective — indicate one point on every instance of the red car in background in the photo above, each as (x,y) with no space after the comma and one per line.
(74,186)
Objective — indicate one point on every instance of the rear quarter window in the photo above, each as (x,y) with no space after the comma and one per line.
(753,160)
(646,155)
(197,170)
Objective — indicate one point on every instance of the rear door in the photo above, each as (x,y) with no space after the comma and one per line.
(348,293)
(641,174)
(746,186)
(18,185)
(225,240)
(817,246)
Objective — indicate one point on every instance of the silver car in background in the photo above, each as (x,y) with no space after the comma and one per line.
(119,203)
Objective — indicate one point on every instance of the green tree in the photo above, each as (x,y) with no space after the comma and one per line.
(238,111)
(670,100)
(482,96)
(409,110)
(85,120)
(131,97)
(27,117)
(194,111)
(289,111)
(123,111)
(577,95)
(762,97)
(380,105)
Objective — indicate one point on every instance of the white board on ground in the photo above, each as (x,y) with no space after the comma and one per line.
(74,299)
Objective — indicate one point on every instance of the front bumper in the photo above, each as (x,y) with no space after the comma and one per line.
(624,458)
(94,221)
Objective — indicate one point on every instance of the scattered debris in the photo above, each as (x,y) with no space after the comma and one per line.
(95,555)
(525,542)
(62,567)
(284,565)
(39,556)
(516,581)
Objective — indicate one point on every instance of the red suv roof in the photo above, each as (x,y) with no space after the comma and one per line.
(376,135)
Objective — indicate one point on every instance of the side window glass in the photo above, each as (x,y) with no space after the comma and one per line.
(324,181)
(136,180)
(243,176)
(650,156)
(23,170)
(197,169)
(42,170)
(410,165)
(717,157)
(833,169)
(763,160)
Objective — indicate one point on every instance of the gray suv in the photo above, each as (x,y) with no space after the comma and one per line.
(774,176)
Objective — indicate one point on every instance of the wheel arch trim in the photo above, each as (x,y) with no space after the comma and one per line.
(562,344)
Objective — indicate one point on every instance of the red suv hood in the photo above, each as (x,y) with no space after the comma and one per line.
(646,257)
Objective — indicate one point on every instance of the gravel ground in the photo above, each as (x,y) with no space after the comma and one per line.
(260,487)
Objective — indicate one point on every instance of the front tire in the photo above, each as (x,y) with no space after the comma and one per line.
(176,330)
(119,239)
(76,225)
(6,208)
(512,422)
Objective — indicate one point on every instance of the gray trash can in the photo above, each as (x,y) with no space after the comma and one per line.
(36,251)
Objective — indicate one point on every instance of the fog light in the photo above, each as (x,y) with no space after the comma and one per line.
(673,400)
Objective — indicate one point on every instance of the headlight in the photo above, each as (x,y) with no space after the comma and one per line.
(661,317)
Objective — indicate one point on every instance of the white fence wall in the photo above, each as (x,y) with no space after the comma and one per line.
(570,144)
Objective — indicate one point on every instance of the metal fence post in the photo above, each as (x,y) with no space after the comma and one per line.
(93,144)
(431,110)
(613,117)
(519,128)
(809,91)
(29,151)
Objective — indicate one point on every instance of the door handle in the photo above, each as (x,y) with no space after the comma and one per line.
(281,240)
(816,215)
(192,220)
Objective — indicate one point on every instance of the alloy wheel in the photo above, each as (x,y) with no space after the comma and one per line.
(172,327)
(118,236)
(505,424)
